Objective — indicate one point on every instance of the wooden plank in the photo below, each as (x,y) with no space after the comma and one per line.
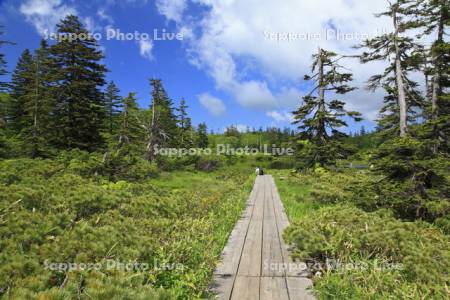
(272,258)
(231,254)
(246,288)
(250,264)
(299,288)
(225,273)
(273,288)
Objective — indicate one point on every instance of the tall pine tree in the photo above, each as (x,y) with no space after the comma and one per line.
(80,75)
(402,52)
(21,84)
(32,96)
(162,127)
(113,104)
(40,103)
(185,125)
(318,119)
(202,136)
(433,18)
(3,70)
(389,116)
(129,129)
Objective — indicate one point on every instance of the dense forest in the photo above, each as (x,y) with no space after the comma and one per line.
(81,179)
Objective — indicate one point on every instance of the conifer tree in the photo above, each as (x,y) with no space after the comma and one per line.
(318,119)
(162,127)
(129,130)
(363,130)
(232,130)
(5,100)
(402,52)
(40,103)
(4,103)
(185,125)
(3,71)
(202,136)
(113,103)
(80,75)
(433,18)
(389,116)
(21,84)
(33,101)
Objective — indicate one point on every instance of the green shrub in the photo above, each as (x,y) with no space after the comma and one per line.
(414,184)
(81,162)
(208,163)
(54,212)
(280,164)
(121,165)
(14,170)
(310,154)
(349,235)
(172,163)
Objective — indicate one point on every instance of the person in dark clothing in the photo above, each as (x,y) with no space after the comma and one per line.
(261,171)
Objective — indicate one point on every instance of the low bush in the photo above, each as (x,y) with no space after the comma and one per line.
(349,235)
(280,164)
(414,182)
(208,164)
(53,212)
(310,154)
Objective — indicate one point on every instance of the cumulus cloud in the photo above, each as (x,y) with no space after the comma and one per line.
(45,14)
(91,25)
(233,43)
(104,16)
(145,49)
(214,105)
(280,116)
(171,9)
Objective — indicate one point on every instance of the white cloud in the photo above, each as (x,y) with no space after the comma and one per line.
(282,116)
(45,14)
(254,94)
(231,45)
(171,9)
(145,49)
(91,25)
(214,105)
(101,13)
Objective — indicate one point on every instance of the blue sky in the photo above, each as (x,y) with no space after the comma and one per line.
(227,65)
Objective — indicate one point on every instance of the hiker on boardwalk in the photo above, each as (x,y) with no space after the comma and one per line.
(259,171)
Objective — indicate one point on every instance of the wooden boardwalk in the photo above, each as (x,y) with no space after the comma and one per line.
(255,259)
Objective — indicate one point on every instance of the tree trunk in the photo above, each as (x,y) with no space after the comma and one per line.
(34,150)
(427,83)
(151,135)
(401,99)
(437,68)
(400,83)
(110,118)
(122,134)
(321,109)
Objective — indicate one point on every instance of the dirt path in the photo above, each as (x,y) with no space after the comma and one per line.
(255,258)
